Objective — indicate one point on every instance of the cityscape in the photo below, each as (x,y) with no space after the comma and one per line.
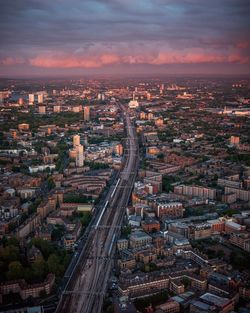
(125,157)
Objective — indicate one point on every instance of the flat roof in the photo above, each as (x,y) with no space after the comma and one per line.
(216,300)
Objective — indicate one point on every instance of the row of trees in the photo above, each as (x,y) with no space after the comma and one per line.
(99,139)
(96,165)
(238,158)
(76,198)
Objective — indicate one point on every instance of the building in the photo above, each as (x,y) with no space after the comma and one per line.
(235,140)
(139,239)
(241,194)
(150,225)
(176,286)
(229,198)
(31,98)
(241,240)
(232,227)
(40,98)
(86,113)
(224,305)
(28,226)
(20,101)
(69,241)
(229,182)
(159,122)
(57,108)
(148,95)
(72,154)
(76,108)
(42,109)
(178,227)
(122,244)
(169,209)
(199,231)
(79,156)
(217,226)
(127,262)
(27,192)
(196,191)
(23,126)
(170,306)
(133,104)
(27,290)
(143,285)
(119,149)
(76,140)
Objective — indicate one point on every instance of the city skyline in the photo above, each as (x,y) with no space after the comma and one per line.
(116,37)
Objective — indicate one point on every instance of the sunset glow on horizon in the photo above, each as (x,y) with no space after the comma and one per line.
(151,36)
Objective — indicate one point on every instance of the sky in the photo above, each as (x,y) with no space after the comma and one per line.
(130,37)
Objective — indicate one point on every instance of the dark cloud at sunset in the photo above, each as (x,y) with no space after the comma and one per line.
(124,36)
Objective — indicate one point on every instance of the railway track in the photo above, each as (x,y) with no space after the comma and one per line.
(88,283)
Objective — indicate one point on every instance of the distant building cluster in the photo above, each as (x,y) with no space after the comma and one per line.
(185,240)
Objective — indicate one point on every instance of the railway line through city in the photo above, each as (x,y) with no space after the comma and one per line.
(87,284)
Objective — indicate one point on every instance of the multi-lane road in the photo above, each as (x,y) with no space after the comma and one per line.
(86,285)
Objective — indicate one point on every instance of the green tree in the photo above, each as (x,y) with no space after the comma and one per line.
(15,270)
(54,265)
(44,246)
(126,231)
(147,268)
(57,232)
(9,254)
(160,156)
(12,226)
(186,282)
(167,183)
(220,254)
(85,218)
(28,275)
(13,241)
(39,268)
(51,183)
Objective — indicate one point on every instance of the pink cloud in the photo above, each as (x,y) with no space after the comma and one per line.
(161,58)
(11,61)
(75,61)
(243,45)
(191,58)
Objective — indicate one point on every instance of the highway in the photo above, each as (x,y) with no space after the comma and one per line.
(88,276)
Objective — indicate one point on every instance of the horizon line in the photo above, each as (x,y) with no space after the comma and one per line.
(135,75)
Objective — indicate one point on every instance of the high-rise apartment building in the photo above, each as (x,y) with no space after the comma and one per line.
(40,98)
(79,156)
(31,98)
(20,101)
(86,113)
(235,140)
(76,140)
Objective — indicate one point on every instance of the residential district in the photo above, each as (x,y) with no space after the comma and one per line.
(184,240)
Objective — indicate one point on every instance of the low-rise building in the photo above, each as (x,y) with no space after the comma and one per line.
(241,240)
(150,225)
(169,209)
(196,191)
(139,239)
(169,307)
(27,290)
(122,244)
